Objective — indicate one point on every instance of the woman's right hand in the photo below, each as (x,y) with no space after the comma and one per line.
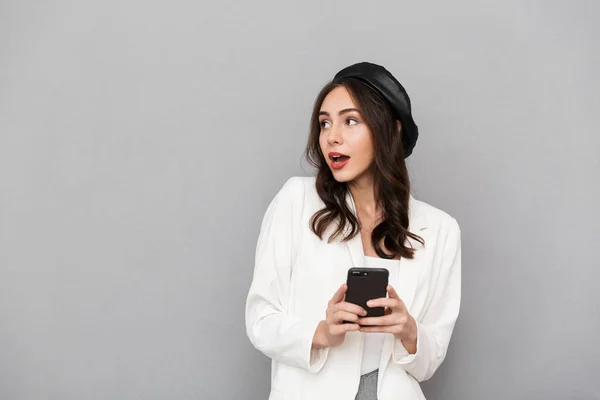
(332,331)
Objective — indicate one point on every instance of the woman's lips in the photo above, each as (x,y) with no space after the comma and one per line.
(338,160)
(339,164)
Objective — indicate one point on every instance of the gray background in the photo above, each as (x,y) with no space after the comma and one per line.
(142,141)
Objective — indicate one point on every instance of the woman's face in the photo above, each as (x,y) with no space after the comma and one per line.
(344,132)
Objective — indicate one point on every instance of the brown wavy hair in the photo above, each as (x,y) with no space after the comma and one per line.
(390,176)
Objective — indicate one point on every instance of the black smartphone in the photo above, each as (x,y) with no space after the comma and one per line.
(366,284)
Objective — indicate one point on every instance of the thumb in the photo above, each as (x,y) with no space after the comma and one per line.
(394,295)
(339,294)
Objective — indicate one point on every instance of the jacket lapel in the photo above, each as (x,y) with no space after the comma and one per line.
(407,279)
(410,268)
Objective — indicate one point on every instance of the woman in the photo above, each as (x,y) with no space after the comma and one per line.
(357,211)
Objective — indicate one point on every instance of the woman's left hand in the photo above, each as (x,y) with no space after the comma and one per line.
(396,320)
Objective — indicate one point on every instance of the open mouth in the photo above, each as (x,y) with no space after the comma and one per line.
(339,158)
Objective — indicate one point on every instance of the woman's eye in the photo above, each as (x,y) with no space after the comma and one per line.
(353,120)
(324,123)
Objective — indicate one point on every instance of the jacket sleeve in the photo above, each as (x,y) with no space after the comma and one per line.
(435,328)
(271,329)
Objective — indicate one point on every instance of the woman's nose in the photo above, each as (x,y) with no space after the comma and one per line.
(335,135)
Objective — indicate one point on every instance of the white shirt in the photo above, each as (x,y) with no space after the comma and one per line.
(374,340)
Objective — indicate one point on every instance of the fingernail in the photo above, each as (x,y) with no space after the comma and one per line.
(369,303)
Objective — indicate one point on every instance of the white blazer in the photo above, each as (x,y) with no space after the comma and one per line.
(295,275)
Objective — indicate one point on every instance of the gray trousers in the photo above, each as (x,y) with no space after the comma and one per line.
(367,388)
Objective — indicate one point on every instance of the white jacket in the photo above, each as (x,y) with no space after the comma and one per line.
(295,275)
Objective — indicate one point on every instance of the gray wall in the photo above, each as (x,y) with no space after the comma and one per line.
(142,141)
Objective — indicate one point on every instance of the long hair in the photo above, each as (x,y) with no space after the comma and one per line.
(390,176)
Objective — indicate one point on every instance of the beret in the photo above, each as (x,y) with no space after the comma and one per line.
(391,91)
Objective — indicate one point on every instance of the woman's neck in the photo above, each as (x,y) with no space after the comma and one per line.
(363,193)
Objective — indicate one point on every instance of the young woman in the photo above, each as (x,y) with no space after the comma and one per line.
(357,211)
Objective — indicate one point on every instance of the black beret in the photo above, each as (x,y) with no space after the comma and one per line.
(391,91)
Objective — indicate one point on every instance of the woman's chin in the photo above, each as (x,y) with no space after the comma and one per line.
(342,176)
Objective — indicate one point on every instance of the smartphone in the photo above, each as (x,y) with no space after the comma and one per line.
(366,284)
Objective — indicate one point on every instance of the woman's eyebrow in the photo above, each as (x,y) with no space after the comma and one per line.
(345,110)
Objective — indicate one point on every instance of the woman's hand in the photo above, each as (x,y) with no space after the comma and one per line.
(332,331)
(396,320)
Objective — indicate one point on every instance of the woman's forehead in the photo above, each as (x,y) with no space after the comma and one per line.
(338,99)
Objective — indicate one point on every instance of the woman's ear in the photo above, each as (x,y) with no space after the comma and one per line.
(399,126)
